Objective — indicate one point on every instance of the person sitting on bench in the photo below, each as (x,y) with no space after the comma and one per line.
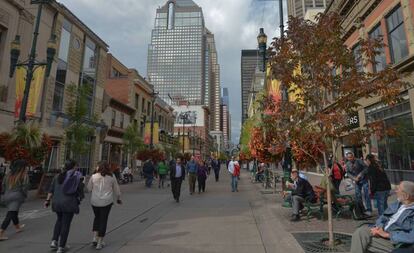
(395,226)
(302,191)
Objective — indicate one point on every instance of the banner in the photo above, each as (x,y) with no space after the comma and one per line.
(147,133)
(34,93)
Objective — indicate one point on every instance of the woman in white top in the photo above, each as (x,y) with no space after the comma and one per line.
(105,189)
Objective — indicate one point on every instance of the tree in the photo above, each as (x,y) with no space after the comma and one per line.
(133,143)
(82,124)
(325,82)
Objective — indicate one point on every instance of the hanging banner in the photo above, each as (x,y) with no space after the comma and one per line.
(147,133)
(34,93)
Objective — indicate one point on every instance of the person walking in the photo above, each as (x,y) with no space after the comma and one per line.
(230,168)
(235,177)
(162,170)
(192,168)
(357,171)
(215,164)
(149,171)
(379,182)
(66,194)
(337,174)
(104,189)
(15,186)
(177,175)
(202,177)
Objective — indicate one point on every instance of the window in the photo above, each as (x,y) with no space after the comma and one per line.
(2,41)
(89,71)
(170,16)
(396,35)
(143,105)
(59,90)
(113,118)
(115,73)
(380,60)
(356,51)
(149,108)
(65,41)
(136,101)
(122,120)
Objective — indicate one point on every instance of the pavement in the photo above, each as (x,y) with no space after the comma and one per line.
(151,221)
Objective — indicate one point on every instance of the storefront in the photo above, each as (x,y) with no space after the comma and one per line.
(395,144)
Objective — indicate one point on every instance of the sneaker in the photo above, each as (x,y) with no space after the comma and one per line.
(94,241)
(20,228)
(54,244)
(295,218)
(4,238)
(100,245)
(60,250)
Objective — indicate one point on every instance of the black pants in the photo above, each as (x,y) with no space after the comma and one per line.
(161,180)
(176,187)
(201,184)
(11,216)
(100,222)
(336,184)
(62,227)
(217,174)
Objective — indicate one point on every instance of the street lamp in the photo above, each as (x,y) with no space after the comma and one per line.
(31,64)
(184,116)
(262,42)
(154,97)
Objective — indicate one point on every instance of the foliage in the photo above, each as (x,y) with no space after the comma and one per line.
(81,124)
(153,154)
(25,142)
(132,140)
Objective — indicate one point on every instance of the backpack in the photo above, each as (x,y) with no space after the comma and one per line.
(71,183)
(337,171)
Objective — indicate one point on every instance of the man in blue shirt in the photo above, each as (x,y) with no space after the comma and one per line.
(177,175)
(192,168)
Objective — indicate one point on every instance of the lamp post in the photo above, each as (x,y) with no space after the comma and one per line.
(184,116)
(154,97)
(31,64)
(262,42)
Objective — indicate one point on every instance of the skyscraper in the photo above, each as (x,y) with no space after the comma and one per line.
(225,117)
(299,8)
(182,57)
(249,61)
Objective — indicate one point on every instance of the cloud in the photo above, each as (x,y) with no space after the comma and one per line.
(125,25)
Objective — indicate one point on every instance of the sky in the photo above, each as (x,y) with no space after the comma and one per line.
(126,25)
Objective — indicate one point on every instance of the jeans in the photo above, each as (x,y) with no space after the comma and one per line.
(362,189)
(62,227)
(381,197)
(234,183)
(100,221)
(297,204)
(148,180)
(11,216)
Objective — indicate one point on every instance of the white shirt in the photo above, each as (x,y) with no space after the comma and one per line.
(126,170)
(231,167)
(103,189)
(397,215)
(178,171)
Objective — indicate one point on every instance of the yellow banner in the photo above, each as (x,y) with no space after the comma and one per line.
(34,93)
(155,134)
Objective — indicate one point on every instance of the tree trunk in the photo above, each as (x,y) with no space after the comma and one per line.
(329,200)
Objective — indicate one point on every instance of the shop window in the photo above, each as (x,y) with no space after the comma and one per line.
(396,35)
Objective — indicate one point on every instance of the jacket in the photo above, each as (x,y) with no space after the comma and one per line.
(236,171)
(202,171)
(378,179)
(355,168)
(192,167)
(402,231)
(304,189)
(173,170)
(104,189)
(162,168)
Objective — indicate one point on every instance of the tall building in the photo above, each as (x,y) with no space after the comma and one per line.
(306,8)
(182,58)
(225,117)
(249,60)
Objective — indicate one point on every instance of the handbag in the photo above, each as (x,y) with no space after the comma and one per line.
(349,184)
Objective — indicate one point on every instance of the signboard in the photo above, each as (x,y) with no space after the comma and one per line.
(353,120)
(34,93)
(190,115)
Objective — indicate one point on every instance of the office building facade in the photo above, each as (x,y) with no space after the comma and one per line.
(306,8)
(249,62)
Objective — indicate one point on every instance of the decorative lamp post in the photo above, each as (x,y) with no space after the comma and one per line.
(262,42)
(154,97)
(31,64)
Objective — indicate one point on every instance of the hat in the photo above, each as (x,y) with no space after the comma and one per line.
(294,170)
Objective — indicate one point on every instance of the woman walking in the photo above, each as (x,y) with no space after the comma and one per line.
(235,176)
(15,186)
(162,170)
(380,184)
(202,176)
(104,188)
(66,193)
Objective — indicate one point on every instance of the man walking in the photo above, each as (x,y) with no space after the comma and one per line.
(357,171)
(192,167)
(215,164)
(177,175)
(230,168)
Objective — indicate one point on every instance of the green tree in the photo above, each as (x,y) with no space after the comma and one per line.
(133,143)
(82,124)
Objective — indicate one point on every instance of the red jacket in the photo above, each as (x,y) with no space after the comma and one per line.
(236,172)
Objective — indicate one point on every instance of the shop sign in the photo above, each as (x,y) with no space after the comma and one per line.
(353,120)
